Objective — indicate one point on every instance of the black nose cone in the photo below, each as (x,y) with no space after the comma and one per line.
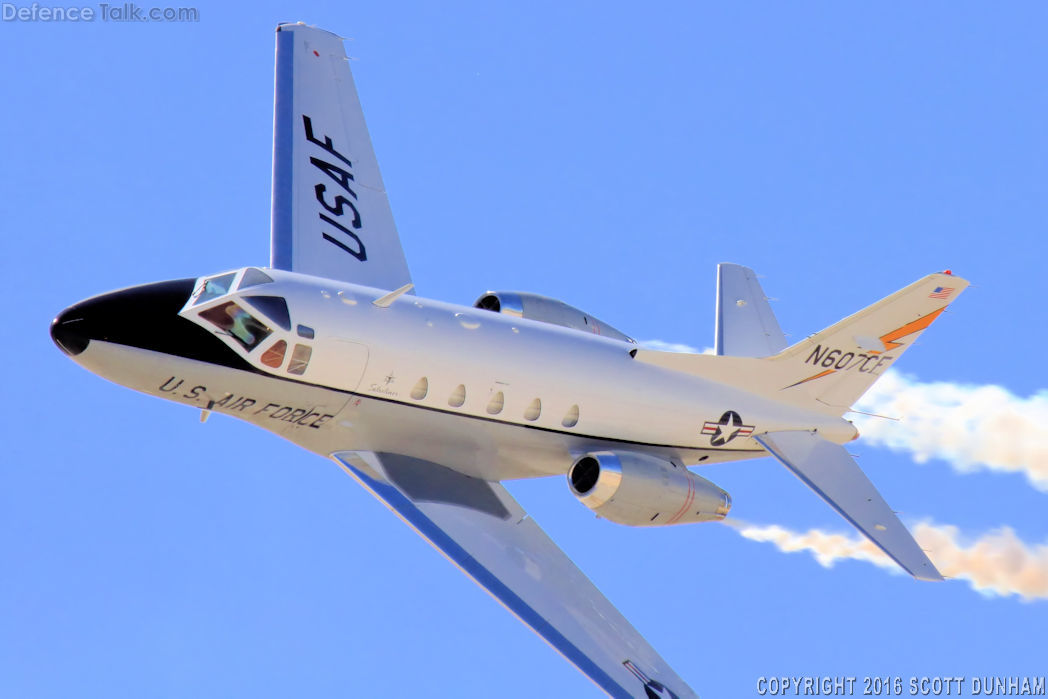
(67,331)
(142,316)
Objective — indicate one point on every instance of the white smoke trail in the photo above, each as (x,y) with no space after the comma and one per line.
(971,427)
(663,346)
(996,563)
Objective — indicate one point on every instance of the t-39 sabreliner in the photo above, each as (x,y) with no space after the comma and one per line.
(429,405)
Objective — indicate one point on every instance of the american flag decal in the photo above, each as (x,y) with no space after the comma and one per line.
(941,292)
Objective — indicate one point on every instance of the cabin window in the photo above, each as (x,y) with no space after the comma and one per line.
(534,409)
(421,389)
(306,332)
(274,356)
(571,418)
(215,287)
(254,277)
(496,403)
(458,397)
(275,307)
(299,360)
(238,323)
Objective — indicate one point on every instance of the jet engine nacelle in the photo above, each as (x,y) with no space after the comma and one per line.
(546,310)
(644,491)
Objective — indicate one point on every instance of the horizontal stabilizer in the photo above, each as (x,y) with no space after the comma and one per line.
(832,473)
(746,325)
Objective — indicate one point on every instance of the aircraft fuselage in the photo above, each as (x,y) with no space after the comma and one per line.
(404,377)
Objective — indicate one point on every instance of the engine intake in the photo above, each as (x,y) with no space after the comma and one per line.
(644,491)
(544,309)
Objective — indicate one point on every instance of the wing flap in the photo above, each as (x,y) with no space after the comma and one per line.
(480,527)
(832,473)
(331,216)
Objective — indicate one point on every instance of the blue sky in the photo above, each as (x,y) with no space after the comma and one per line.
(606,154)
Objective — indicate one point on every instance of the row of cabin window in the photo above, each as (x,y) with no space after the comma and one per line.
(495,404)
(274,358)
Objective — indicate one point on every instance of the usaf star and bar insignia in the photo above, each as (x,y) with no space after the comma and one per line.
(727,428)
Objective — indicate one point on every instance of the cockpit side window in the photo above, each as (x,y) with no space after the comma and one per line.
(215,287)
(254,277)
(299,359)
(275,307)
(274,356)
(241,325)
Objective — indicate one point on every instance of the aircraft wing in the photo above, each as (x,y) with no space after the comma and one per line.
(331,217)
(480,527)
(832,473)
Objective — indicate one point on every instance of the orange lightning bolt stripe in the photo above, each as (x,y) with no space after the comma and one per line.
(812,378)
(921,323)
(889,340)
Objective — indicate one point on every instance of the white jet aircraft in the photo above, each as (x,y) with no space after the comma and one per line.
(430,405)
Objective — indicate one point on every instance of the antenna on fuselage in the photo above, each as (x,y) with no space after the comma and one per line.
(388,299)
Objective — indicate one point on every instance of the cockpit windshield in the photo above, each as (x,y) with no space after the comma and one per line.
(222,284)
(241,325)
(215,287)
(254,277)
(275,307)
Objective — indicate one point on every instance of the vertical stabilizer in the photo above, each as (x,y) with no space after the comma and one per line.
(826,372)
(836,366)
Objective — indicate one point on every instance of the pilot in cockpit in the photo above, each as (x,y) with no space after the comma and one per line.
(243,326)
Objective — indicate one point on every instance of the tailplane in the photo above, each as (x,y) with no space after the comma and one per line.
(830,370)
(826,372)
(830,471)
(746,325)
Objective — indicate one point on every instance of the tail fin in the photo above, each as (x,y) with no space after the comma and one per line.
(836,366)
(830,370)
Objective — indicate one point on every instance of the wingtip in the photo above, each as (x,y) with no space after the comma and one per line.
(928,576)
